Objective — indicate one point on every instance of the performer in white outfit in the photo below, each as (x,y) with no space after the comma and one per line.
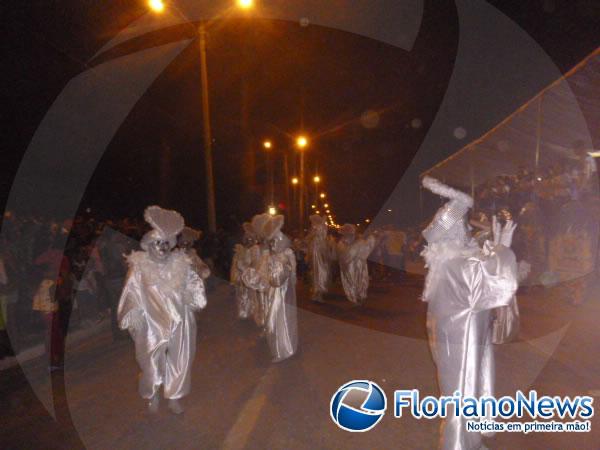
(319,258)
(352,253)
(275,276)
(242,260)
(185,242)
(157,306)
(258,253)
(464,284)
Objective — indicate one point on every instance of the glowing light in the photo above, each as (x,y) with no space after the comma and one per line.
(272,210)
(368,220)
(322,195)
(327,211)
(156,5)
(318,212)
(245,4)
(295,180)
(301,141)
(389,210)
(326,205)
(268,145)
(317,179)
(313,206)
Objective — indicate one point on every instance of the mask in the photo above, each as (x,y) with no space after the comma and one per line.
(159,250)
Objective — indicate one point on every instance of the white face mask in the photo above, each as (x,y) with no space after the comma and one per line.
(159,250)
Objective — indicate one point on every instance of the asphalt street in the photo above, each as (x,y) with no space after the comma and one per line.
(240,400)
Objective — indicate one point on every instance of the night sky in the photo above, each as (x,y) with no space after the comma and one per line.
(268,79)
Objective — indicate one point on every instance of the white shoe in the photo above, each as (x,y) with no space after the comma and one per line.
(175,406)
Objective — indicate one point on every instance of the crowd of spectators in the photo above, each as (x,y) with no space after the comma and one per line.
(60,276)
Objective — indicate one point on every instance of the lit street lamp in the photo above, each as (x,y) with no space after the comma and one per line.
(156,5)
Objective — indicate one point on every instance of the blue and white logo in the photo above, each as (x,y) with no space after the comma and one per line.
(358,406)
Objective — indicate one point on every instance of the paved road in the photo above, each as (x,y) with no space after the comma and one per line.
(239,400)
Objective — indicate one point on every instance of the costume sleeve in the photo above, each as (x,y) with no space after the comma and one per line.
(130,303)
(281,268)
(492,279)
(195,292)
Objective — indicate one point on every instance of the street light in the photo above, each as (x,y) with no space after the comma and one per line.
(268,146)
(295,181)
(245,4)
(157,6)
(317,179)
(302,142)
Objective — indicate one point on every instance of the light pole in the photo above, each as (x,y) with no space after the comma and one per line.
(268,146)
(302,143)
(208,164)
(158,6)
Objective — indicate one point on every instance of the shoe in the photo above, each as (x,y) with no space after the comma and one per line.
(153,404)
(175,406)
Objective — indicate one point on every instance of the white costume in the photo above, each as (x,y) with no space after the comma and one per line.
(186,241)
(464,284)
(257,254)
(352,254)
(157,306)
(275,277)
(319,258)
(242,260)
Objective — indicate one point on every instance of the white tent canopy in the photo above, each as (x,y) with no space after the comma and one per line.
(542,133)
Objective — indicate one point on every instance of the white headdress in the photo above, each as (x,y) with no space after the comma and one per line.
(166,225)
(448,223)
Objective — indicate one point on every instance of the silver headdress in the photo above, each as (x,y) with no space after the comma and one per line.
(166,225)
(258,224)
(316,220)
(449,221)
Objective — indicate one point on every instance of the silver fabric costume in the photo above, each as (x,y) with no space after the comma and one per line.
(319,258)
(245,297)
(352,256)
(464,284)
(275,279)
(157,306)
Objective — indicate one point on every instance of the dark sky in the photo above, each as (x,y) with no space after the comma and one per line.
(287,78)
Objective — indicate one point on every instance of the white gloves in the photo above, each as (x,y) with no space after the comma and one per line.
(503,235)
